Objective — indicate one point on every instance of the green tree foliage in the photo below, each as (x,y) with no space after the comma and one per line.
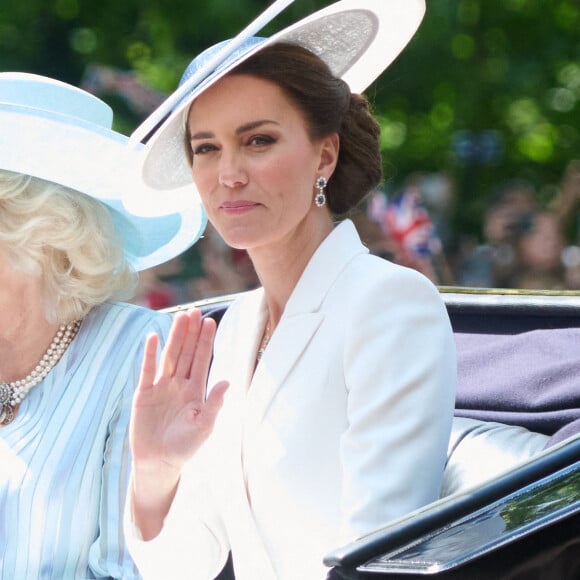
(487,90)
(501,78)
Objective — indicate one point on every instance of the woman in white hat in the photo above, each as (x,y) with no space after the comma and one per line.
(341,367)
(69,353)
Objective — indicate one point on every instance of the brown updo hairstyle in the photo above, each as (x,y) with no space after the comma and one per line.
(328,107)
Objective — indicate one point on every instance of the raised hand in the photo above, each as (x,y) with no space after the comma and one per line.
(171,417)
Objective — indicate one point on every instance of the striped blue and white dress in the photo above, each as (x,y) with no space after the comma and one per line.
(64,460)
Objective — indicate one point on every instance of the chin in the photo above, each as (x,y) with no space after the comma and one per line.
(239,242)
(242,238)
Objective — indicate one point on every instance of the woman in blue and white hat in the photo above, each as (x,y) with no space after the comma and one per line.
(70,353)
(341,367)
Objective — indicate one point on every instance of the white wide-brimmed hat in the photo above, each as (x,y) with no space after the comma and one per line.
(358,39)
(60,133)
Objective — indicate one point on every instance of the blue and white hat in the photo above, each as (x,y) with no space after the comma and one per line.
(60,133)
(358,39)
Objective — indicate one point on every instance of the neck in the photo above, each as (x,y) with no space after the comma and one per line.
(279,267)
(25,333)
(23,342)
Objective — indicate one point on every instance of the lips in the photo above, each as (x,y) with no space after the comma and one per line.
(238,205)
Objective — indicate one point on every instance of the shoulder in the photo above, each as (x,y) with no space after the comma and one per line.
(128,319)
(362,272)
(376,300)
(386,281)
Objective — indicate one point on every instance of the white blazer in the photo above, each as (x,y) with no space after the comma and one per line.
(342,428)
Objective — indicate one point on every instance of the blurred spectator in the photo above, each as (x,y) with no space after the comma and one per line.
(567,208)
(567,203)
(539,246)
(493,264)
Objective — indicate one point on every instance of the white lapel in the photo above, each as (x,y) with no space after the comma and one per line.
(301,318)
(249,325)
(227,448)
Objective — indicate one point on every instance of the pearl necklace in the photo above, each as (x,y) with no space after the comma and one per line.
(12,394)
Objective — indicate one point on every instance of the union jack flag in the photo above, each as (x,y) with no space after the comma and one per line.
(406,221)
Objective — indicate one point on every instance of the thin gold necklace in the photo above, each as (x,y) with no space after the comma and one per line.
(264,343)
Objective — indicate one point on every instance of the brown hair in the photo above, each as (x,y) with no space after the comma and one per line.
(328,107)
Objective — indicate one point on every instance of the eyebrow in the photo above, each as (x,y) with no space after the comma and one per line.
(239,131)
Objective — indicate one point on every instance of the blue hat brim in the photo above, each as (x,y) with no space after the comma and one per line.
(43,136)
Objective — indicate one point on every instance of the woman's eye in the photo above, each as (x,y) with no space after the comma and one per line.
(203,148)
(261,140)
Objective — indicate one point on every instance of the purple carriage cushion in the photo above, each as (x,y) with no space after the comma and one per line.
(530,379)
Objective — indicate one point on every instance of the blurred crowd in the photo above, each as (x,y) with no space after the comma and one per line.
(523,242)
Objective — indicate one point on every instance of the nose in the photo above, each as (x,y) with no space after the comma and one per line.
(232,172)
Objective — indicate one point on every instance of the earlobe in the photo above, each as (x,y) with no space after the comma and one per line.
(330,146)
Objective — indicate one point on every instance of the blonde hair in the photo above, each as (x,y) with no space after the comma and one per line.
(68,240)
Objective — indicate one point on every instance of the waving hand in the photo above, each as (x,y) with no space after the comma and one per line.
(171,416)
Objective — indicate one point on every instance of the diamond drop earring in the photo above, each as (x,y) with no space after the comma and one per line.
(320,197)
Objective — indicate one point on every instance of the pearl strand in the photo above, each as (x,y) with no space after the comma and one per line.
(12,394)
